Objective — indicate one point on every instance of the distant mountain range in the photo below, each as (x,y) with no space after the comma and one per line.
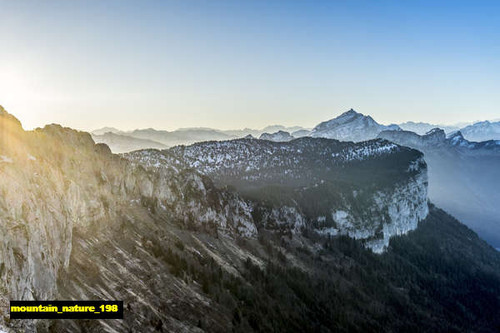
(423,128)
(461,169)
(245,235)
(478,131)
(349,126)
(482,131)
(119,143)
(160,139)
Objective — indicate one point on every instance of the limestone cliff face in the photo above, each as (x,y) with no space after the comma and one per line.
(405,206)
(59,191)
(389,212)
(55,181)
(369,191)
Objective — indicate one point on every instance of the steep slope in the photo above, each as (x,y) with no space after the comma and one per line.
(350,126)
(78,222)
(316,182)
(464,177)
(482,131)
(55,181)
(439,278)
(122,144)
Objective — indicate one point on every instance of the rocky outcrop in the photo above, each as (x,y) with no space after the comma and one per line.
(56,181)
(290,178)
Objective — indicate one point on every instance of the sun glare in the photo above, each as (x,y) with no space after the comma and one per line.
(19,95)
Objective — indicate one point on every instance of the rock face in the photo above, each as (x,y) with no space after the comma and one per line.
(464,176)
(350,126)
(217,236)
(298,173)
(56,180)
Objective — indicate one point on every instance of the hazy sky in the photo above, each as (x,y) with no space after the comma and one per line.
(235,64)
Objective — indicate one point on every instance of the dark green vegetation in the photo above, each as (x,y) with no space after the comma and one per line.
(313,175)
(80,223)
(439,278)
(247,163)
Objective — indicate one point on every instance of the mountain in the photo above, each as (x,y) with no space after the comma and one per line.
(464,177)
(422,128)
(123,144)
(350,126)
(316,182)
(482,131)
(276,128)
(301,133)
(279,136)
(104,130)
(191,253)
(240,133)
(180,136)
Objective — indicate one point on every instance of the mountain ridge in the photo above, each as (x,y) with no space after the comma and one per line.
(185,253)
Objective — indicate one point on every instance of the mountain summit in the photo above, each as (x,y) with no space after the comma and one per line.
(237,236)
(351,126)
(482,131)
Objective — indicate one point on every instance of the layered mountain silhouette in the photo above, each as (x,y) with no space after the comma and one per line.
(482,131)
(241,235)
(422,128)
(119,143)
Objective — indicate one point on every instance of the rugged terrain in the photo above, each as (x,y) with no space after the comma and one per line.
(318,183)
(464,177)
(190,246)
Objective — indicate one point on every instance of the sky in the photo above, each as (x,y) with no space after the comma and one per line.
(235,64)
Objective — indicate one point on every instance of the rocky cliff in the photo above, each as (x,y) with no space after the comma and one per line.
(235,236)
(321,181)
(56,180)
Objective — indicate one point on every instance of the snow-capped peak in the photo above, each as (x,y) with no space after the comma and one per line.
(351,126)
